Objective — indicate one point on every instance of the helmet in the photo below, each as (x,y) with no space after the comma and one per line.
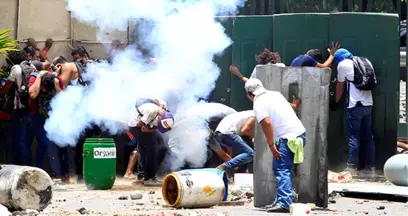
(166,122)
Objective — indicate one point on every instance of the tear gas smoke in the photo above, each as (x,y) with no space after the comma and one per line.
(189,138)
(182,34)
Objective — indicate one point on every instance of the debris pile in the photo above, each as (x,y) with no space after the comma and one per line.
(342,177)
(238,195)
(333,196)
(28,212)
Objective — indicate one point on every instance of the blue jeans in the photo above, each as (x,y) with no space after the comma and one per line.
(37,130)
(58,160)
(242,150)
(9,148)
(20,122)
(359,130)
(282,168)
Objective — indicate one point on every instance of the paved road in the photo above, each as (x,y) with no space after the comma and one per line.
(68,199)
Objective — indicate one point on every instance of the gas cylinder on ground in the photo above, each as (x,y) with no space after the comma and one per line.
(99,161)
(396,170)
(195,188)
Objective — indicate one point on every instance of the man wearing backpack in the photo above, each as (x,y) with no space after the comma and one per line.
(43,87)
(70,72)
(20,70)
(357,75)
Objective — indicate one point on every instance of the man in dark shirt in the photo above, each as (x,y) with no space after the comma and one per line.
(313,58)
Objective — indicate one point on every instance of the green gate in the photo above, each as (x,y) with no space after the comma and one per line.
(372,35)
(376,37)
(251,34)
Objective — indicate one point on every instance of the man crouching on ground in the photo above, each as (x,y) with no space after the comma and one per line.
(284,132)
(230,132)
(148,117)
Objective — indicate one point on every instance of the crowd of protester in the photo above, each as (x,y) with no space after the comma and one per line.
(34,80)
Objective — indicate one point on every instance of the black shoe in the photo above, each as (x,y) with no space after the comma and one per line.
(277,209)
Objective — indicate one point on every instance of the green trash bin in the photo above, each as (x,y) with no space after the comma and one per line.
(99,161)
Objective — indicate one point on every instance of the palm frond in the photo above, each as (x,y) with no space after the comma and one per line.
(7,42)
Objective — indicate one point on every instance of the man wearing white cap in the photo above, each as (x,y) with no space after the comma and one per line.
(284,133)
(150,114)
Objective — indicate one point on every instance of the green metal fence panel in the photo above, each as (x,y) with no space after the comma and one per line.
(376,37)
(222,91)
(295,34)
(251,34)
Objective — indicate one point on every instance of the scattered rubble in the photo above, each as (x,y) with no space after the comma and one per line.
(123,198)
(380,207)
(28,212)
(83,211)
(342,177)
(238,195)
(333,196)
(136,195)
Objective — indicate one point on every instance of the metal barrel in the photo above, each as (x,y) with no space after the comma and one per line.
(23,187)
(195,188)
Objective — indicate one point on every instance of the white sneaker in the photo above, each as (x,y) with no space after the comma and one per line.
(352,171)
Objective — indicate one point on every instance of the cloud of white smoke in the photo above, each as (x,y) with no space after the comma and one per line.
(183,35)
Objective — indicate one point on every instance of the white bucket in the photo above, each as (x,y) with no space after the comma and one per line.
(244,181)
(196,188)
(299,209)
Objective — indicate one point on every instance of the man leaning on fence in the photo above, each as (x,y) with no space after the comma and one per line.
(356,75)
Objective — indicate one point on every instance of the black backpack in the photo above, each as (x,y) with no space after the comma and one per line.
(81,67)
(364,74)
(22,90)
(7,100)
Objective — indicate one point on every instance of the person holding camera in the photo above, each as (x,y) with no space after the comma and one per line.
(43,86)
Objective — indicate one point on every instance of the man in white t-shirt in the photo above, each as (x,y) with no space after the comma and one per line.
(359,108)
(280,125)
(229,133)
(149,115)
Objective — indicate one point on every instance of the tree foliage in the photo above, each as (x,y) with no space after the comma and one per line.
(7,43)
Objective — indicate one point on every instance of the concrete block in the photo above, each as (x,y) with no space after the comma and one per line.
(8,9)
(42,19)
(89,32)
(312,87)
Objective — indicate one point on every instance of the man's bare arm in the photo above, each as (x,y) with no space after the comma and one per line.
(234,70)
(267,127)
(34,90)
(66,74)
(249,128)
(339,91)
